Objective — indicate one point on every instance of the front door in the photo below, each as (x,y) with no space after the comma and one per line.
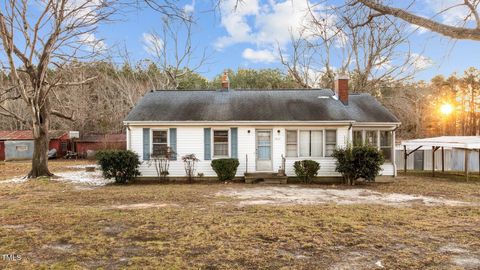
(264,150)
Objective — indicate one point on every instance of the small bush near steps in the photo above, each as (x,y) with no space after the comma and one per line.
(225,168)
(122,165)
(306,170)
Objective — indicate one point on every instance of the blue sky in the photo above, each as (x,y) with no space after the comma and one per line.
(250,37)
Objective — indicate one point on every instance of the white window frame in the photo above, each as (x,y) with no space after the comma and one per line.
(151,137)
(323,129)
(286,143)
(378,146)
(325,140)
(212,143)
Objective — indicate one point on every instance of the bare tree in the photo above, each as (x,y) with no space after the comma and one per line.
(38,41)
(174,53)
(456,32)
(370,51)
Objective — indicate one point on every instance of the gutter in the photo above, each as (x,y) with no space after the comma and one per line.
(238,123)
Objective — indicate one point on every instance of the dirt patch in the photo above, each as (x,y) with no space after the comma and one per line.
(91,179)
(142,206)
(461,256)
(301,195)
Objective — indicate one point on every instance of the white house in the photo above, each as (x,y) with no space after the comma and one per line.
(259,127)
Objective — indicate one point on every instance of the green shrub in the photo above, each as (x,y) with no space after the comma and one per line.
(119,164)
(225,168)
(306,170)
(358,162)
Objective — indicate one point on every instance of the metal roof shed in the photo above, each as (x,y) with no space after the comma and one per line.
(468,143)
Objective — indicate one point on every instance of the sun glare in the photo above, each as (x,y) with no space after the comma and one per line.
(446,109)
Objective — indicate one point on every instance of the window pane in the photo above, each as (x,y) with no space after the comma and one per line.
(331,137)
(316,143)
(371,137)
(304,143)
(387,153)
(291,136)
(385,138)
(220,136)
(159,136)
(159,149)
(357,138)
(291,150)
(220,149)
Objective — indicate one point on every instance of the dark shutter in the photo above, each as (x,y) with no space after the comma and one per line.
(173,143)
(234,142)
(207,138)
(146,144)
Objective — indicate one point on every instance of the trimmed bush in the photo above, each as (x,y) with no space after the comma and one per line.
(119,164)
(358,162)
(225,168)
(306,170)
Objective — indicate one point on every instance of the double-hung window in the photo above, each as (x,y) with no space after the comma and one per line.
(311,143)
(159,143)
(220,143)
(330,142)
(292,143)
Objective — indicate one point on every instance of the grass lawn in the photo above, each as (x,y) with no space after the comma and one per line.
(178,226)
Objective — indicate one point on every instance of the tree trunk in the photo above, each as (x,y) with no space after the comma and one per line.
(40,125)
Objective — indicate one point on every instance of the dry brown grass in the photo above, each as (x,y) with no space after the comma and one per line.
(56,225)
(12,169)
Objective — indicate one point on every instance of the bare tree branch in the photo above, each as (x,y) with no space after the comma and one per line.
(444,29)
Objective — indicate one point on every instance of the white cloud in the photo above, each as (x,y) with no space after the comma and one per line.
(257,56)
(275,22)
(383,63)
(448,15)
(419,29)
(421,62)
(234,20)
(152,44)
(91,41)
(189,8)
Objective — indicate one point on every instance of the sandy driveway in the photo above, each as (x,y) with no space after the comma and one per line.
(304,195)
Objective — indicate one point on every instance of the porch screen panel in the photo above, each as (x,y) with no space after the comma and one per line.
(386,144)
(371,137)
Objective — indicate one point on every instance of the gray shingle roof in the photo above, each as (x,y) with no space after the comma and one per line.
(257,105)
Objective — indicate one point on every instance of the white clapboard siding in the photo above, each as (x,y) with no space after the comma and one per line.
(190,141)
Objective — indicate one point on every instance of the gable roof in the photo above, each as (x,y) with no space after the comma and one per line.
(257,105)
(19,135)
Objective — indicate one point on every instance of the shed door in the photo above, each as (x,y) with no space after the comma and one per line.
(418,160)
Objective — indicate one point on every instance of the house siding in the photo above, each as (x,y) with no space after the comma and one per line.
(190,139)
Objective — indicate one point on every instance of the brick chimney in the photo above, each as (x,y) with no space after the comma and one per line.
(225,81)
(341,88)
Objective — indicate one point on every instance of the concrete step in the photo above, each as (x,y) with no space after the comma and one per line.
(265,178)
